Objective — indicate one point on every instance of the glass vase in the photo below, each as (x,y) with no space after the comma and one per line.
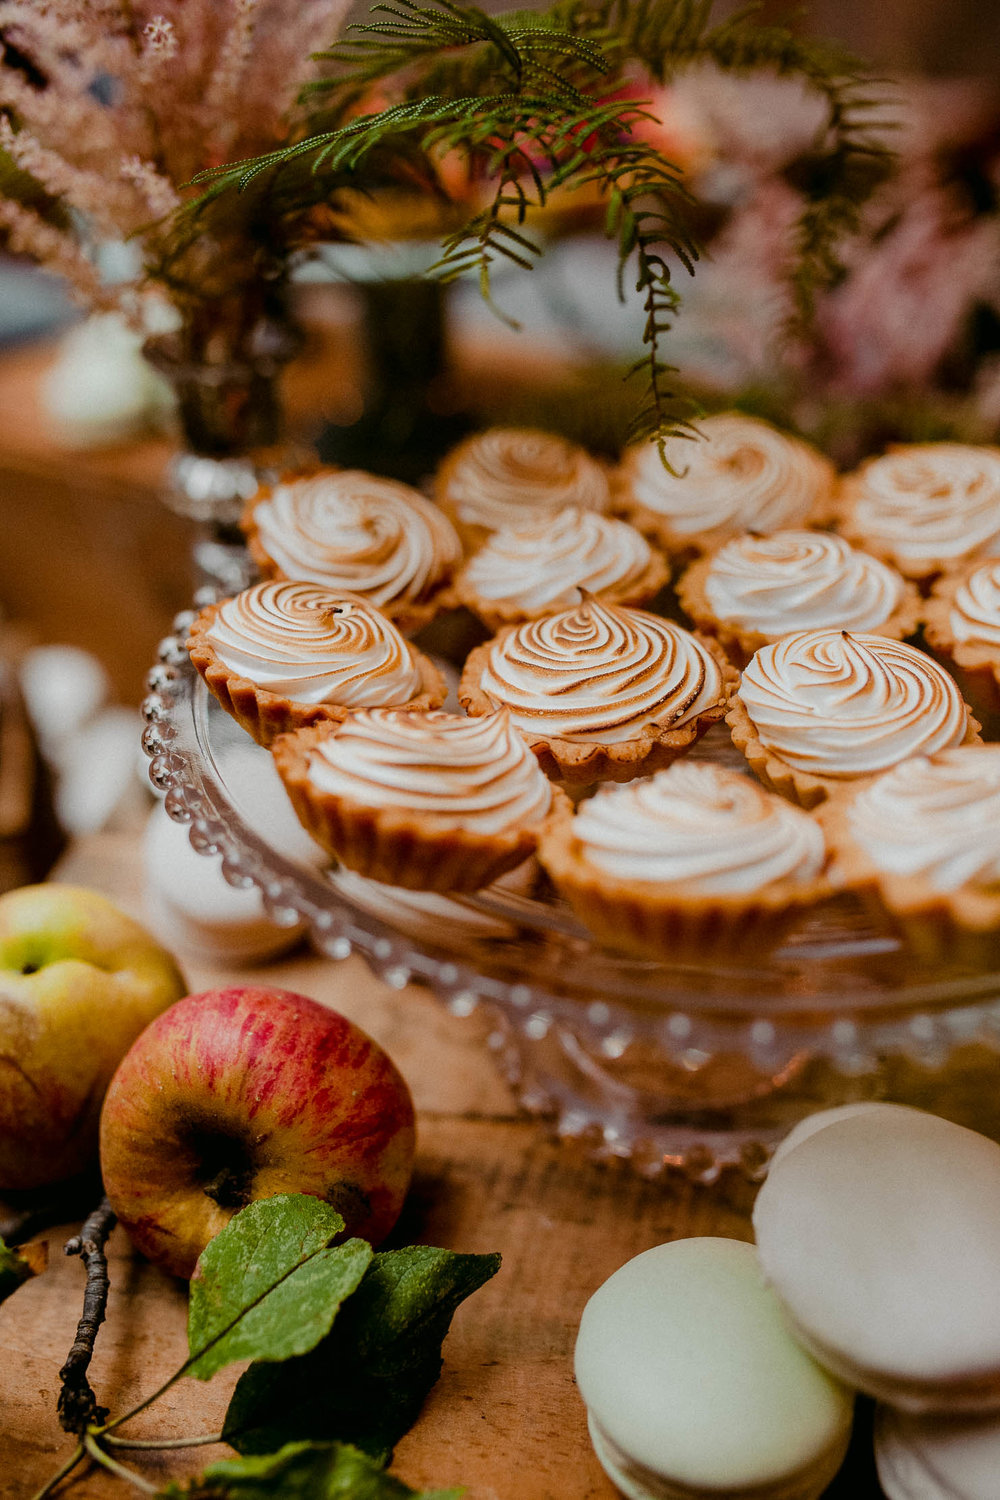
(224,363)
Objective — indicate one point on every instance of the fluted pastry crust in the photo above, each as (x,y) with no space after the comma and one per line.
(823,706)
(538,568)
(282,655)
(355,532)
(506,476)
(740,475)
(922,845)
(925,506)
(754,589)
(601,691)
(694,858)
(962,628)
(433,802)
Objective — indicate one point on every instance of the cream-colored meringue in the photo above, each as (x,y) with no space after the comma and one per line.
(466,773)
(351,530)
(923,502)
(937,817)
(542,565)
(508,475)
(600,673)
(975,611)
(800,580)
(739,475)
(312,646)
(708,829)
(841,705)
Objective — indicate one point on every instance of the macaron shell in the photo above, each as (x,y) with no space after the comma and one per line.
(819,1121)
(880,1233)
(694,1386)
(937,1458)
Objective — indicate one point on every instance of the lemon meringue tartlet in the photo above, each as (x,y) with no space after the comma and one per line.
(282,655)
(754,589)
(353,531)
(428,801)
(925,507)
(541,566)
(962,628)
(921,844)
(739,474)
(601,691)
(694,858)
(507,476)
(822,707)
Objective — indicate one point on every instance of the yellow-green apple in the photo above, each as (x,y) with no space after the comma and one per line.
(78,982)
(240,1093)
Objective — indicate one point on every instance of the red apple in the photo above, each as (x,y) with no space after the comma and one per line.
(240,1093)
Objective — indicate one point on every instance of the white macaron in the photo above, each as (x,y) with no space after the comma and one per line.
(879,1230)
(694,1387)
(937,1458)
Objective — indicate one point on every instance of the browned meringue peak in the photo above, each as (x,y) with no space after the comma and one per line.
(799,580)
(540,565)
(739,474)
(600,672)
(311,645)
(926,504)
(975,609)
(937,817)
(466,773)
(509,476)
(352,530)
(836,704)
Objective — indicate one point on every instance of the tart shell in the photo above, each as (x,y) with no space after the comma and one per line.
(395,845)
(263,714)
(659,920)
(975,667)
(580,763)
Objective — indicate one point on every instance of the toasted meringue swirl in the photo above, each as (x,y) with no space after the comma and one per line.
(313,646)
(927,501)
(975,612)
(600,673)
(849,705)
(351,530)
(466,773)
(508,475)
(541,566)
(800,580)
(935,816)
(711,829)
(740,475)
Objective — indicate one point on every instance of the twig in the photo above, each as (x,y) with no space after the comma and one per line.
(156,1444)
(97,1453)
(77,1407)
(60,1475)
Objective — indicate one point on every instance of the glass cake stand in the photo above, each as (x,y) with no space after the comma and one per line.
(695,1065)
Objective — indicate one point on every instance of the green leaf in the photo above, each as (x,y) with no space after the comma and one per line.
(18,1266)
(306,1471)
(271,1283)
(366,1382)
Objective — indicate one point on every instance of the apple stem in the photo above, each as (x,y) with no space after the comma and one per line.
(58,1477)
(77,1407)
(98,1454)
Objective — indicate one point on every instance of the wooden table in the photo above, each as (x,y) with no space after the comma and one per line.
(505,1418)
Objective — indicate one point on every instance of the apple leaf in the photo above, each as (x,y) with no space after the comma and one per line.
(18,1266)
(270,1284)
(367,1380)
(304,1471)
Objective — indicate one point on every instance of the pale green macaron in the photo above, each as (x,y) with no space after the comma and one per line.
(694,1386)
